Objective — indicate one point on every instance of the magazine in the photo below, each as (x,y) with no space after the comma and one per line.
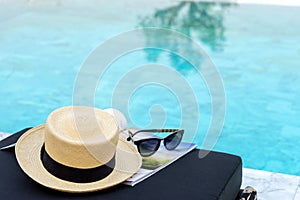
(159,160)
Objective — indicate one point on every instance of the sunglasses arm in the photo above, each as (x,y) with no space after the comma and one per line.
(133,134)
(151,131)
(130,135)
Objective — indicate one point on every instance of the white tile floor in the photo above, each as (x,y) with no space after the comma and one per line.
(297,195)
(269,185)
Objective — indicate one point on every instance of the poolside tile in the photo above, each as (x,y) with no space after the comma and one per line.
(297,195)
(271,185)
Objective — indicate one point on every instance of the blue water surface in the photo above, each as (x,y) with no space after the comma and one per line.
(255,48)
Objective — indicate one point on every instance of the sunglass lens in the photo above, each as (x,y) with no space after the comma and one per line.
(148,147)
(173,140)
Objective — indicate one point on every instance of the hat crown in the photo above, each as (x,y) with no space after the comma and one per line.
(81,137)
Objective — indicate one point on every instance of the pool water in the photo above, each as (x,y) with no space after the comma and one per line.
(255,48)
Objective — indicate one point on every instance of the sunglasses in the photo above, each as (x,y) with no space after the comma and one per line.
(149,146)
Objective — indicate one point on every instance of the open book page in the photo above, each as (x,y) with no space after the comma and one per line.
(159,160)
(3,135)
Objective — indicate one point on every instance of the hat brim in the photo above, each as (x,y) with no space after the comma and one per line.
(28,154)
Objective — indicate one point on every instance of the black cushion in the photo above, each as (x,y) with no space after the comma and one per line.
(217,176)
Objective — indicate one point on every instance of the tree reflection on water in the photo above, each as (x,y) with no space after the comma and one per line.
(200,20)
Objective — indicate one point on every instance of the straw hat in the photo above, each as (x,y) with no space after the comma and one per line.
(77,150)
(119,117)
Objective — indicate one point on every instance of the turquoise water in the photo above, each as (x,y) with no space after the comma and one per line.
(255,48)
